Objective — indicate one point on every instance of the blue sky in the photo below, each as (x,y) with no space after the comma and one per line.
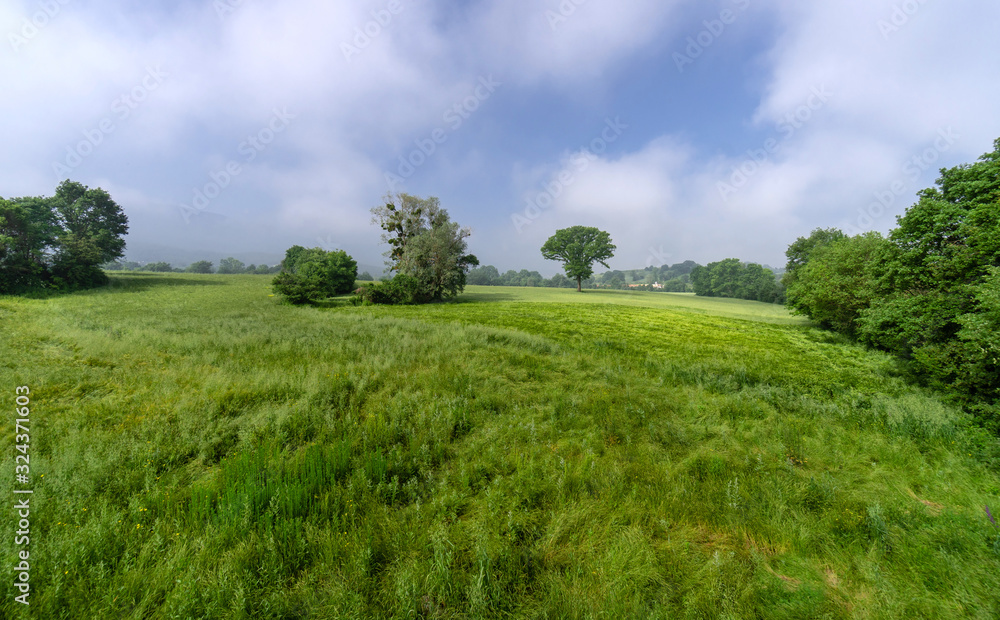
(688,130)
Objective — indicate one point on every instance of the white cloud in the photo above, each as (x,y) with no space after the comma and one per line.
(890,92)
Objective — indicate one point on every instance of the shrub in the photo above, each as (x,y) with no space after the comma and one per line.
(402,289)
(312,275)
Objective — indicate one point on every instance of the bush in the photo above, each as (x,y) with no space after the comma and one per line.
(312,275)
(402,289)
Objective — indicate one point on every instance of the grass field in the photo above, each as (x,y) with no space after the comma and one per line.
(201,450)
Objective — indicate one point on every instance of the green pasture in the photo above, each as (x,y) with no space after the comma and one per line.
(201,450)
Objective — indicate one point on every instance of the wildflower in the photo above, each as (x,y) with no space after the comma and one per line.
(988,514)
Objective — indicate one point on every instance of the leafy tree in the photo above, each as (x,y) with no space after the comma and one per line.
(701,280)
(436,258)
(977,354)
(929,292)
(578,248)
(403,217)
(90,229)
(367,277)
(312,275)
(731,278)
(159,267)
(799,251)
(484,276)
(560,281)
(231,265)
(202,266)
(425,245)
(59,241)
(27,232)
(726,277)
(838,281)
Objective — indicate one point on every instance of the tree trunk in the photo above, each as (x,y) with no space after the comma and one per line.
(579,285)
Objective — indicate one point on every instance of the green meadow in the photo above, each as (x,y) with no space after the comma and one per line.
(201,450)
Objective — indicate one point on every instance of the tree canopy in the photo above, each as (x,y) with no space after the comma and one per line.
(929,292)
(312,275)
(59,241)
(425,246)
(578,248)
(733,278)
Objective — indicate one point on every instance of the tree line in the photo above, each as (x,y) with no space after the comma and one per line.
(928,292)
(738,280)
(670,278)
(228,265)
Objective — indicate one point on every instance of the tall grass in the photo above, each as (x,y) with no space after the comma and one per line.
(211,453)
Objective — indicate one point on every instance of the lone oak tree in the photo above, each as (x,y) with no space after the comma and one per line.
(578,247)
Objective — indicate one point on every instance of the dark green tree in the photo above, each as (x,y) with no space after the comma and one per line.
(61,241)
(799,251)
(838,281)
(27,234)
(91,227)
(486,275)
(231,265)
(701,281)
(578,248)
(425,245)
(312,275)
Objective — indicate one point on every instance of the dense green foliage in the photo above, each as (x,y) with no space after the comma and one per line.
(926,293)
(731,278)
(578,248)
(59,242)
(313,275)
(425,246)
(799,252)
(400,289)
(837,281)
(200,266)
(231,266)
(200,451)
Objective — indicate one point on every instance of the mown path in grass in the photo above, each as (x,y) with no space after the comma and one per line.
(210,452)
